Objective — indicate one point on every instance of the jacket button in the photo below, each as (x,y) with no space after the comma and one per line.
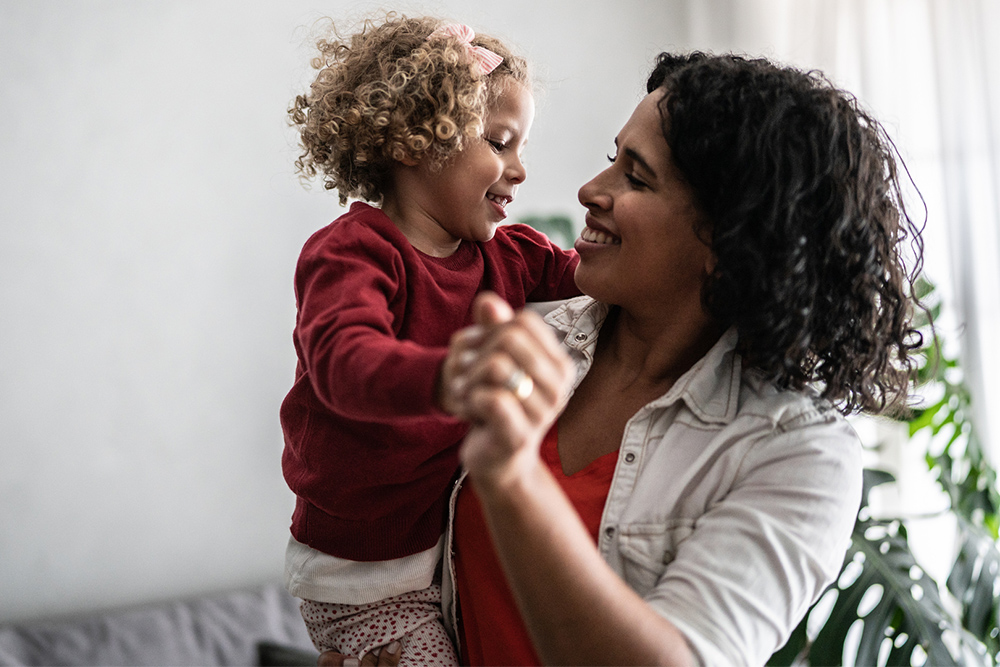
(629,457)
(580,337)
(610,531)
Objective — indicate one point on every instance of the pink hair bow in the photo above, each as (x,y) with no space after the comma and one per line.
(486,59)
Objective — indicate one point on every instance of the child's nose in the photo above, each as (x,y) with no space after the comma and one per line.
(516,171)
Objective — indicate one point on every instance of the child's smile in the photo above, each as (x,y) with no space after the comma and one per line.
(501,201)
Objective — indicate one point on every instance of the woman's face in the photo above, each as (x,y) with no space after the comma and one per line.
(639,247)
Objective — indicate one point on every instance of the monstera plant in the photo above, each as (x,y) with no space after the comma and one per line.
(884,609)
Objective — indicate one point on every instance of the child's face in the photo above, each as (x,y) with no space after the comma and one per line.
(467,197)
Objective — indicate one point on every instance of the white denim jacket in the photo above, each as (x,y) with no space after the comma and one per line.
(732,502)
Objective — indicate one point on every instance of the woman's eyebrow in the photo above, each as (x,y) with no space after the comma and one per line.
(638,159)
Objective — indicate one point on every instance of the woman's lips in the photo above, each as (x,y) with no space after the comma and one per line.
(591,235)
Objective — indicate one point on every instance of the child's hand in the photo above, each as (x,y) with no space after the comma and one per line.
(386,656)
(452,383)
(509,376)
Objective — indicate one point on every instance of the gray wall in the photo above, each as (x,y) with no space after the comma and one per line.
(149,224)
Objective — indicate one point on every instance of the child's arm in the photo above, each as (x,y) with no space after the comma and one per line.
(547,269)
(351,300)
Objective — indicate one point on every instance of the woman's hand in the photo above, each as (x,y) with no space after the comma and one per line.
(575,607)
(508,375)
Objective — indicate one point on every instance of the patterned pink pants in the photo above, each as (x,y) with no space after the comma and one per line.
(414,619)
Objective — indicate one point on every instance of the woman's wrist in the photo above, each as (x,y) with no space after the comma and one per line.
(503,482)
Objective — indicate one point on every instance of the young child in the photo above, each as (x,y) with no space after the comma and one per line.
(427,121)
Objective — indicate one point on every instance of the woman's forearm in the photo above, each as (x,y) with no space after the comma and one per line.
(577,610)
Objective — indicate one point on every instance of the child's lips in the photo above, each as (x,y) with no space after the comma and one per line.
(501,200)
(499,203)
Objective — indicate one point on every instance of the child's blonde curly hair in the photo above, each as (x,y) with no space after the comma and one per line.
(386,94)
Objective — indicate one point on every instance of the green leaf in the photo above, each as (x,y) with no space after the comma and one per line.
(872,477)
(925,417)
(886,564)
(974,580)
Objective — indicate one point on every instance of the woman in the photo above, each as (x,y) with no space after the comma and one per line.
(741,261)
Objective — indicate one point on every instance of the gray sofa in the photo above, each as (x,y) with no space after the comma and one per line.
(259,626)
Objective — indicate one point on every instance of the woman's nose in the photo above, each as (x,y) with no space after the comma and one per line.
(593,192)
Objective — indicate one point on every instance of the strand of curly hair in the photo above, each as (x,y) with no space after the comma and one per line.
(802,192)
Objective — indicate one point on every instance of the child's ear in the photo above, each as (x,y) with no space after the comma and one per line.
(404,157)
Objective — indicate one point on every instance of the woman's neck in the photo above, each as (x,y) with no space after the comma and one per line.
(635,362)
(655,351)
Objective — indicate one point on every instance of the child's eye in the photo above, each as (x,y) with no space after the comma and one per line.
(498,146)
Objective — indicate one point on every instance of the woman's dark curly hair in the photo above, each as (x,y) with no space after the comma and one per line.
(806,221)
(386,94)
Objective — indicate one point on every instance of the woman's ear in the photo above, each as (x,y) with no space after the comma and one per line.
(710,263)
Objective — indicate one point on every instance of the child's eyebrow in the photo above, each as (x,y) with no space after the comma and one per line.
(499,126)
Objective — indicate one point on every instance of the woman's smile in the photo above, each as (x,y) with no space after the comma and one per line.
(591,235)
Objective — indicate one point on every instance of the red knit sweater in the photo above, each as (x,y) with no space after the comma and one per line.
(367,452)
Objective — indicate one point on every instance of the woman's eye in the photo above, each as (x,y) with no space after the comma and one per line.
(635,181)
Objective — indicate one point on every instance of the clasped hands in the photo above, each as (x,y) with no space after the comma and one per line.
(507,375)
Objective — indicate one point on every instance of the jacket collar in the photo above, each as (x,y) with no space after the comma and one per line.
(710,388)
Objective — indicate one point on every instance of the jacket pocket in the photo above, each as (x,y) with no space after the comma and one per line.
(647,549)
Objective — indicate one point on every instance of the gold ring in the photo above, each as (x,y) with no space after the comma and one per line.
(520,384)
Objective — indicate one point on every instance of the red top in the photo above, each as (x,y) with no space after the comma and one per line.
(490,625)
(367,452)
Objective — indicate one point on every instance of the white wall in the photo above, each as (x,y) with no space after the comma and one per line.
(149,223)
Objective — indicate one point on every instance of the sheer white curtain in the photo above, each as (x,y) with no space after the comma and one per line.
(930,71)
(967,71)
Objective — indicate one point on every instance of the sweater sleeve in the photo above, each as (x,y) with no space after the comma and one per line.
(548,269)
(351,296)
